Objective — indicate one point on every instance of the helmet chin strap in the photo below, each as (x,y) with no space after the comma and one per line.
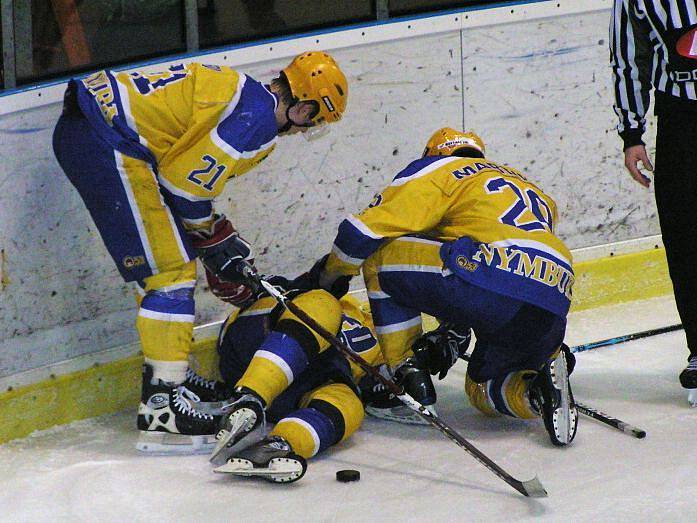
(289,123)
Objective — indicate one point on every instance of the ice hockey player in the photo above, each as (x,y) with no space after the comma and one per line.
(148,153)
(285,373)
(470,242)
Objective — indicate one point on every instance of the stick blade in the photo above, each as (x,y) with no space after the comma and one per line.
(533,488)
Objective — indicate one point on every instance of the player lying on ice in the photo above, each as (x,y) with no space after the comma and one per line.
(283,372)
(470,242)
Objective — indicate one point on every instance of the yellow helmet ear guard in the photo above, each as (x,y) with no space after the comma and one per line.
(315,76)
(447,141)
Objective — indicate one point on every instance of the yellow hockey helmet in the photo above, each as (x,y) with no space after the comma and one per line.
(315,76)
(446,141)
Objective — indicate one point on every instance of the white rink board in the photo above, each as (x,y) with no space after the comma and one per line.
(65,299)
(89,470)
(540,94)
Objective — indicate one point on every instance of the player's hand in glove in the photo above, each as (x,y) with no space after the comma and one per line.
(221,249)
(318,278)
(438,350)
(237,294)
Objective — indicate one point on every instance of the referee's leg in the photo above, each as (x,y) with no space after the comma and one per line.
(676,199)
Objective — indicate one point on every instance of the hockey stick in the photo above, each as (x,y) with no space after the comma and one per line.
(598,415)
(601,416)
(627,337)
(531,488)
(612,422)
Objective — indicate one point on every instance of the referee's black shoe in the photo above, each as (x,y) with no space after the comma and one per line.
(688,377)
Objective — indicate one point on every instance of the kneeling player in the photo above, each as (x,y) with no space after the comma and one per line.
(501,377)
(471,242)
(284,372)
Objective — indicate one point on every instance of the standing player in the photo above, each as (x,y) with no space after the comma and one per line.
(472,243)
(654,44)
(148,153)
(284,372)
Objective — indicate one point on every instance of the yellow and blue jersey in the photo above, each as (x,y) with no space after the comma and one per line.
(358,333)
(309,388)
(197,125)
(244,330)
(497,228)
(250,335)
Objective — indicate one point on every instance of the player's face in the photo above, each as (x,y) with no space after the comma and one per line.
(301,115)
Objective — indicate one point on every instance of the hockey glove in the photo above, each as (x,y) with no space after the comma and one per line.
(317,278)
(237,294)
(221,249)
(438,350)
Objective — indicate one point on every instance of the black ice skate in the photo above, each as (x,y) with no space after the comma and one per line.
(169,423)
(271,458)
(381,403)
(242,425)
(207,390)
(688,379)
(550,395)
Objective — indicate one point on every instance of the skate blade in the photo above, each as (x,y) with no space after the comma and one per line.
(279,470)
(166,443)
(692,398)
(237,435)
(399,414)
(565,417)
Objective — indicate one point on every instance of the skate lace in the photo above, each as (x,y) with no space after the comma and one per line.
(379,387)
(692,363)
(196,379)
(278,445)
(182,399)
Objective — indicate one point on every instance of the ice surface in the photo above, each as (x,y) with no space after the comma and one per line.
(90,471)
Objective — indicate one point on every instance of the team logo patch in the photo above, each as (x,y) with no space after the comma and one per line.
(328,103)
(464,263)
(133,261)
(158,401)
(455,142)
(687,44)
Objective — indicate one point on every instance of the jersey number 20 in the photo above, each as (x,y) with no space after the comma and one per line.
(526,200)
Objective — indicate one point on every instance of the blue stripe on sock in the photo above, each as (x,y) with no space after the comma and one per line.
(182,303)
(495,388)
(288,349)
(322,424)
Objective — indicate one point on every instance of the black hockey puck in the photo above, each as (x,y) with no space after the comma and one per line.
(348,475)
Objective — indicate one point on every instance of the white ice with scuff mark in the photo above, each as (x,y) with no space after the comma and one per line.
(89,471)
